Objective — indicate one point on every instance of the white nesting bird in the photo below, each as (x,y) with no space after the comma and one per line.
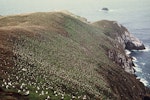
(27,92)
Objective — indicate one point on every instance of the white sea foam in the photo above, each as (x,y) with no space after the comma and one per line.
(127,52)
(144,81)
(136,65)
(134,59)
(147,48)
(143,63)
(137,69)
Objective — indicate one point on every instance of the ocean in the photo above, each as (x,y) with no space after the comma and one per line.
(136,17)
(133,14)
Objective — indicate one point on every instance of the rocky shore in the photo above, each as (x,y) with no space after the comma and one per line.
(125,40)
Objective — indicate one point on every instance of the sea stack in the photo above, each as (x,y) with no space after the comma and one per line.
(105,9)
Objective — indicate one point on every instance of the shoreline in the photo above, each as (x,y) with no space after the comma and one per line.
(137,68)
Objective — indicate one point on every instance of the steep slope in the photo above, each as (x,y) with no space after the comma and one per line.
(124,39)
(54,55)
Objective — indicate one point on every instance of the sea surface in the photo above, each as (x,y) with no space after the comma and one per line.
(133,14)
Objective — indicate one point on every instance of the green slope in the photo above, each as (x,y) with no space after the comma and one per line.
(57,55)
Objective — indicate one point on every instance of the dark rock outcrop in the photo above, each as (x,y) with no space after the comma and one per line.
(105,9)
(131,42)
(131,46)
(146,98)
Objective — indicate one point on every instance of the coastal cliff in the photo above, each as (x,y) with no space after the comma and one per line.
(124,39)
(58,55)
(119,33)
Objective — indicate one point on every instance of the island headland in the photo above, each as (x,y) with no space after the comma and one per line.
(61,56)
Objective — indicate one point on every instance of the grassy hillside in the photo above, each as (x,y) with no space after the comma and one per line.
(55,55)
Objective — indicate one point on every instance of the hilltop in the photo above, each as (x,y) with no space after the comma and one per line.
(58,55)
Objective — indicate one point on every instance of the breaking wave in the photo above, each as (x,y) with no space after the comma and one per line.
(144,81)
(137,69)
(134,59)
(147,48)
(127,52)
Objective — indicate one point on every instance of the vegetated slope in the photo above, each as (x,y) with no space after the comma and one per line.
(54,55)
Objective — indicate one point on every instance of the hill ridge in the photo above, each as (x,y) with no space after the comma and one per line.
(55,55)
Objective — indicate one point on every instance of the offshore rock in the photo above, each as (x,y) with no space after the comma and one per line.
(105,9)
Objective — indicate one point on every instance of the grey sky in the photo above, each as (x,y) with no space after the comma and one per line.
(85,8)
(7,6)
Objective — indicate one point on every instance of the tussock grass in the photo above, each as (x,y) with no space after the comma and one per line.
(57,65)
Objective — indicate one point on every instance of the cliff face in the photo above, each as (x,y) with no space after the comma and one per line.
(120,34)
(60,56)
(129,41)
(124,39)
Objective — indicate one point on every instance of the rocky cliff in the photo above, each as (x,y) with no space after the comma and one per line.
(118,32)
(56,55)
(124,39)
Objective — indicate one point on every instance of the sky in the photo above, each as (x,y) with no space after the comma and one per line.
(85,8)
(21,6)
